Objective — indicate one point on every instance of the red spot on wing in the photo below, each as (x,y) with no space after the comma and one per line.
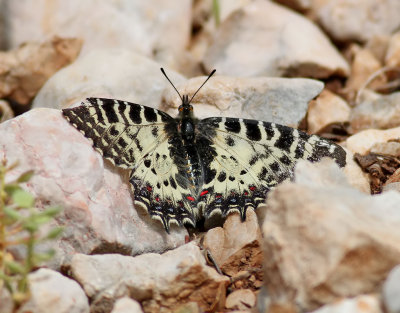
(149,188)
(246,193)
(204,192)
(252,188)
(218,196)
(157,199)
(190,198)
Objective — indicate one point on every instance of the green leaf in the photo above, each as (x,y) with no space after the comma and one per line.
(15,267)
(30,225)
(12,214)
(54,233)
(43,257)
(216,11)
(52,211)
(24,177)
(19,196)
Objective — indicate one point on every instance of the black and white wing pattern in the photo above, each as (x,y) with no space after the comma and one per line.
(146,141)
(243,159)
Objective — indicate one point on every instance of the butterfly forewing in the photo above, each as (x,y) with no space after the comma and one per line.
(244,159)
(145,140)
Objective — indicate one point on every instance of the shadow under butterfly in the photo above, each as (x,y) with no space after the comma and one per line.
(185,170)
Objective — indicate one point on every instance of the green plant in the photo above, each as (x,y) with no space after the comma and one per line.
(216,12)
(20,225)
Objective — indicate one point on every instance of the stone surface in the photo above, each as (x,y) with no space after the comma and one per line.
(384,112)
(280,100)
(327,240)
(359,304)
(5,111)
(391,291)
(363,141)
(23,71)
(52,292)
(389,148)
(393,53)
(355,176)
(358,20)
(6,302)
(266,39)
(240,299)
(98,210)
(161,283)
(126,305)
(326,109)
(154,28)
(363,66)
(236,246)
(116,73)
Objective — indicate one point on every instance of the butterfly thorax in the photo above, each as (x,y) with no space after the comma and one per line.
(187,125)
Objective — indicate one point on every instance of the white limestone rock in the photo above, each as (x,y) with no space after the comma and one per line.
(115,73)
(98,207)
(266,39)
(52,292)
(161,283)
(126,305)
(358,20)
(359,304)
(326,240)
(279,100)
(155,28)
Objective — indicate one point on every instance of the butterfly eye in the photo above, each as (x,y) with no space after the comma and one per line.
(180,108)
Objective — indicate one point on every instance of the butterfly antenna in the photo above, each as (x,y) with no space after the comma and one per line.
(162,71)
(209,76)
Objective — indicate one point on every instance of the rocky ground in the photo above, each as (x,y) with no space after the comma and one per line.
(328,241)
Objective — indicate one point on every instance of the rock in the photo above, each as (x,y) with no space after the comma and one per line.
(161,283)
(280,100)
(241,299)
(298,5)
(266,39)
(355,176)
(360,20)
(117,73)
(359,304)
(363,66)
(23,71)
(6,302)
(237,247)
(383,112)
(327,108)
(363,141)
(126,305)
(391,291)
(393,53)
(52,292)
(153,28)
(5,111)
(327,240)
(388,148)
(378,45)
(98,208)
(190,307)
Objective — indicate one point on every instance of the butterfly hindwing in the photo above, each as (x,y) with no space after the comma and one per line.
(244,159)
(145,140)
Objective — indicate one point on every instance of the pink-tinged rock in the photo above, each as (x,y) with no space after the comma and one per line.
(357,20)
(324,240)
(98,211)
(359,304)
(52,292)
(363,141)
(326,109)
(266,39)
(273,99)
(240,299)
(162,283)
(236,246)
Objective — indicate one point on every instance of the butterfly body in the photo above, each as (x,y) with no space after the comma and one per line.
(184,169)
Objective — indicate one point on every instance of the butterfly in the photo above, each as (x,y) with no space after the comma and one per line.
(184,169)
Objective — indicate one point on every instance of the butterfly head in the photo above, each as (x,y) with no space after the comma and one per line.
(185,109)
